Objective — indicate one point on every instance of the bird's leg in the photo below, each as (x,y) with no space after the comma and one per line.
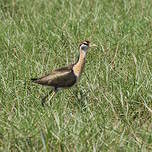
(44,98)
(77,92)
(54,92)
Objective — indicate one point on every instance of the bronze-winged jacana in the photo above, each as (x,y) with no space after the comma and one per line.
(67,76)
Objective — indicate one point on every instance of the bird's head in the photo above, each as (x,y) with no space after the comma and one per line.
(84,46)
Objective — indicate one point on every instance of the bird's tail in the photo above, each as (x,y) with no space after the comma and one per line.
(34,79)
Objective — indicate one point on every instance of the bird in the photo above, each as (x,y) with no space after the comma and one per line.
(65,77)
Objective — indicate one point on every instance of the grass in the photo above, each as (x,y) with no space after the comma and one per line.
(114,109)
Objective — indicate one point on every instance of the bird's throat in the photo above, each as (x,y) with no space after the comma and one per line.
(79,66)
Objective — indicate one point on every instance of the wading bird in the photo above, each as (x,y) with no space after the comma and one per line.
(67,76)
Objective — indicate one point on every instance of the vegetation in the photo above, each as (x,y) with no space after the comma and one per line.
(110,109)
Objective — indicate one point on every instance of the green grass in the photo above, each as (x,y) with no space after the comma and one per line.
(114,109)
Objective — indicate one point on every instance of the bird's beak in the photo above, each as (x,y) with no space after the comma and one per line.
(93,45)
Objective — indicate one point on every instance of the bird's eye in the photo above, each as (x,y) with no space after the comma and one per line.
(86,44)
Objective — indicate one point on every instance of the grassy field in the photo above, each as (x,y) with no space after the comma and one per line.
(113,111)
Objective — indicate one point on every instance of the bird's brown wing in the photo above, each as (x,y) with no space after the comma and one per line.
(63,77)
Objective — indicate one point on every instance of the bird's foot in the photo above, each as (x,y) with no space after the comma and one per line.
(42,102)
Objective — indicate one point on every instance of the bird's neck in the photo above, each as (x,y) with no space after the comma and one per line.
(79,66)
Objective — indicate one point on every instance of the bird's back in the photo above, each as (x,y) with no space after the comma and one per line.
(59,78)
